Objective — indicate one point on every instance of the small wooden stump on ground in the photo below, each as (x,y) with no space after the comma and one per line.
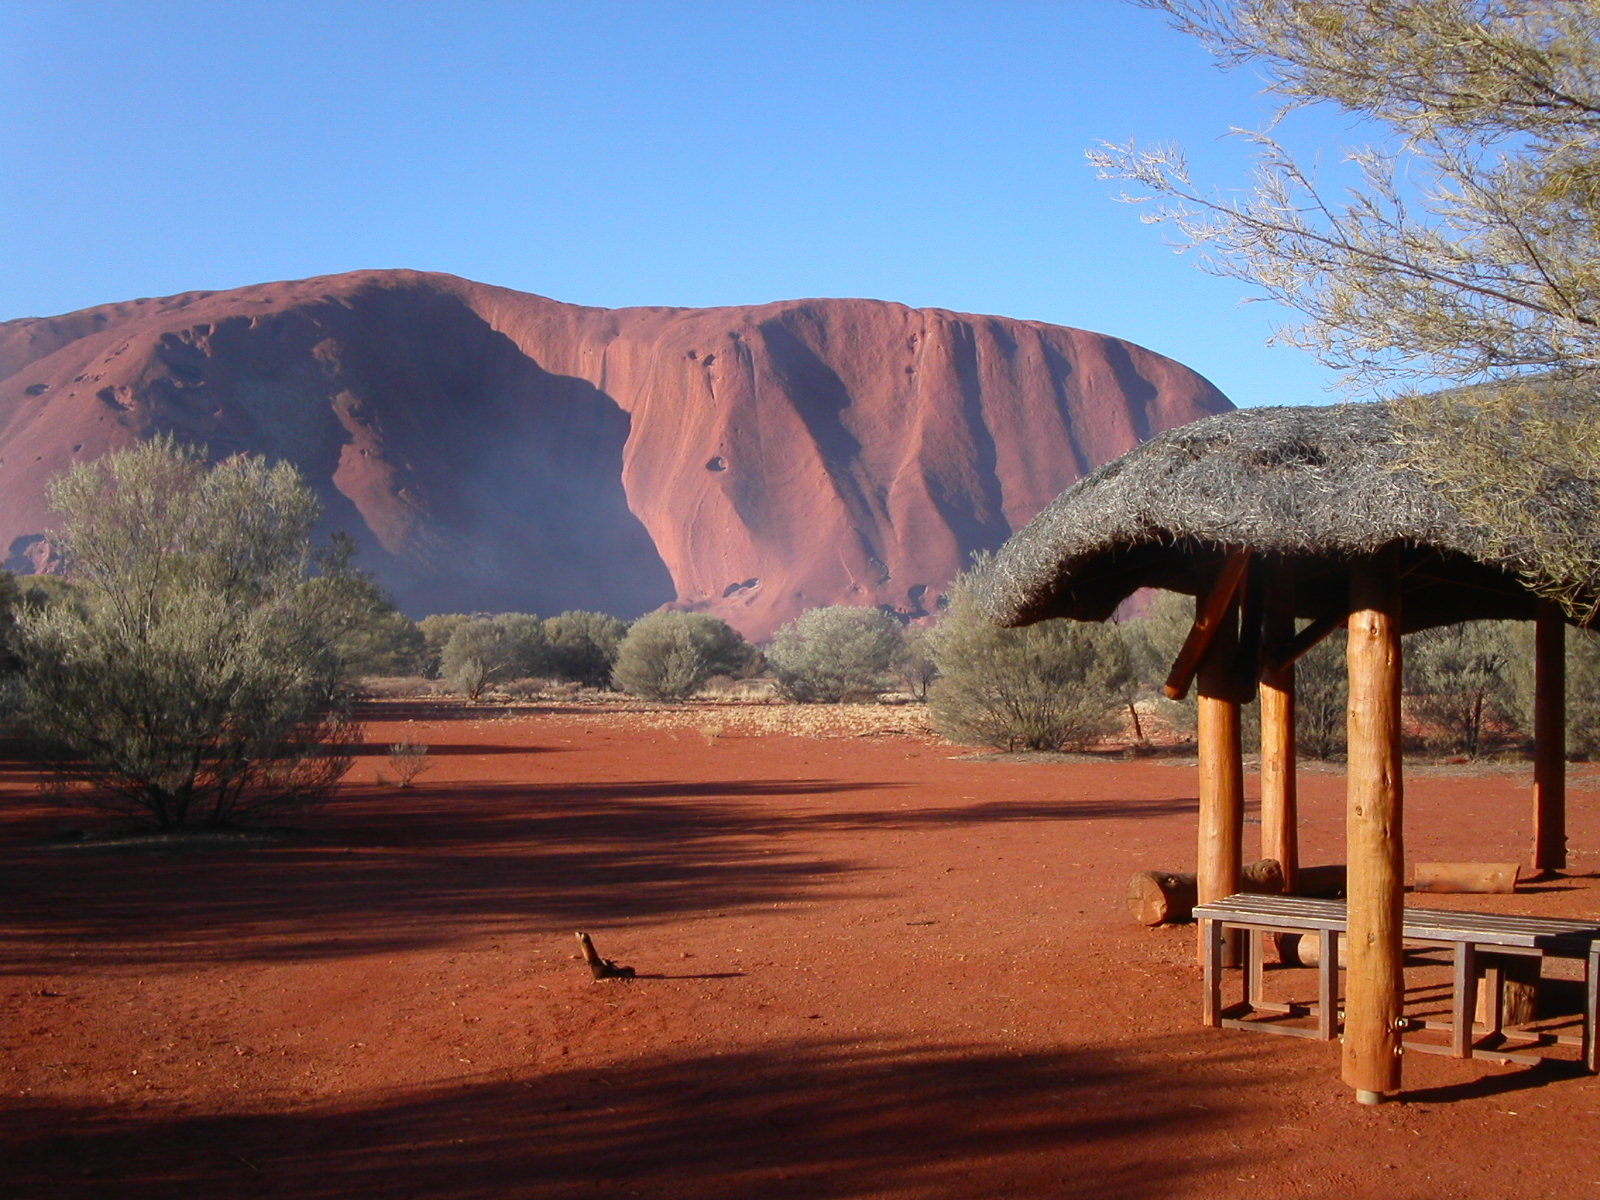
(600,968)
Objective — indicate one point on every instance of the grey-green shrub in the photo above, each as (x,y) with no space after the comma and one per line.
(915,668)
(436,630)
(1042,687)
(1583,692)
(486,650)
(582,646)
(371,636)
(1458,683)
(194,677)
(1321,696)
(669,655)
(836,653)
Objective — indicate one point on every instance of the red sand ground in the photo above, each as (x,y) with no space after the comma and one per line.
(867,968)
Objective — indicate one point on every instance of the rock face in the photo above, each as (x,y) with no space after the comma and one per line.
(494,450)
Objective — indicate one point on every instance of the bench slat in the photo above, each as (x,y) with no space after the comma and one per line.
(1420,924)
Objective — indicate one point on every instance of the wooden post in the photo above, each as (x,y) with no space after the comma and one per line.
(1549,740)
(1280,834)
(1374,986)
(1221,835)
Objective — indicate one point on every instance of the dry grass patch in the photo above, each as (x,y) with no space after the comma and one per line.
(716,721)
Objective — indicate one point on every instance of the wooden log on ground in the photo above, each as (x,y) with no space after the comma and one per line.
(1489,878)
(1167,897)
(1304,949)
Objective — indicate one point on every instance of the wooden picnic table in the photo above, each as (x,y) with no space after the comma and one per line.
(1470,936)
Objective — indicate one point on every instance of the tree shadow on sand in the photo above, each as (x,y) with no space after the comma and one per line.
(813,1120)
(393,869)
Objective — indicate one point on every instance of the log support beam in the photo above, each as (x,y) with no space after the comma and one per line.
(1212,611)
(1549,741)
(1375,988)
(1282,655)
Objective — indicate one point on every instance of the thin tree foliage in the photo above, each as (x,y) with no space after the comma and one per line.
(1467,249)
(836,653)
(670,655)
(196,675)
(1045,686)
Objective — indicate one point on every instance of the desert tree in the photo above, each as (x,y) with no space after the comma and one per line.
(1459,684)
(436,630)
(1153,638)
(10,663)
(915,667)
(670,655)
(194,675)
(370,636)
(1042,687)
(835,653)
(1467,248)
(582,646)
(1583,694)
(1321,696)
(488,650)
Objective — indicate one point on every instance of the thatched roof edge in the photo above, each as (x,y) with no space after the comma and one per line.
(1323,482)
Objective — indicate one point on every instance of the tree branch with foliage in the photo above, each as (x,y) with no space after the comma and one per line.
(195,674)
(1468,248)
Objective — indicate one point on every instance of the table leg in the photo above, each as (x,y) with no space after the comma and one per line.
(1253,968)
(1463,999)
(1211,1004)
(1495,998)
(1327,983)
(1591,1011)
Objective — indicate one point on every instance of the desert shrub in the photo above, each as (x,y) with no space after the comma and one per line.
(1320,681)
(530,649)
(10,663)
(194,677)
(1583,686)
(370,636)
(1041,687)
(827,655)
(1583,692)
(489,650)
(915,668)
(398,687)
(1458,684)
(669,655)
(408,760)
(1321,695)
(1153,640)
(582,646)
(436,631)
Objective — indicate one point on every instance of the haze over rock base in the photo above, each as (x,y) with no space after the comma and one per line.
(495,450)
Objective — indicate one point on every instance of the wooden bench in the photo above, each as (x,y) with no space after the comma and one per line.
(1472,937)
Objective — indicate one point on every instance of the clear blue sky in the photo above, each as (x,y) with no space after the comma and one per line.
(609,153)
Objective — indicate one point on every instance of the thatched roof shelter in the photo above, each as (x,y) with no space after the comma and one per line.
(1265,515)
(1312,487)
